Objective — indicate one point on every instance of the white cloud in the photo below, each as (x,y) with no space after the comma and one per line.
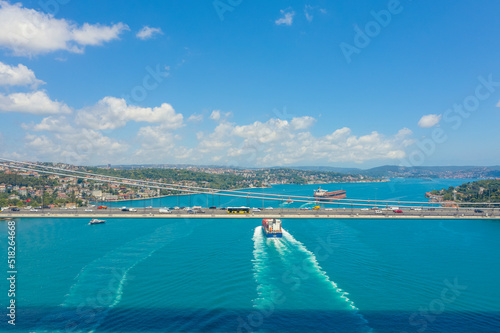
(50,124)
(287,17)
(269,132)
(300,123)
(156,137)
(77,138)
(429,120)
(76,147)
(219,139)
(97,34)
(19,75)
(219,116)
(112,112)
(195,118)
(28,32)
(37,103)
(282,142)
(307,13)
(41,144)
(215,115)
(157,144)
(148,32)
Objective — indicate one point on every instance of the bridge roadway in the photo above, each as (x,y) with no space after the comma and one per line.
(285,213)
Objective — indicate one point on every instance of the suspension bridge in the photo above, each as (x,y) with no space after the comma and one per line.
(338,209)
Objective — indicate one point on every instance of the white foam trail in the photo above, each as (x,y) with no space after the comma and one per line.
(287,247)
(260,264)
(279,246)
(266,283)
(99,285)
(319,270)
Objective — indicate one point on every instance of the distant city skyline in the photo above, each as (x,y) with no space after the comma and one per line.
(250,84)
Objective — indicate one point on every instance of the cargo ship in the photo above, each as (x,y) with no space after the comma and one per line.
(272,228)
(324,195)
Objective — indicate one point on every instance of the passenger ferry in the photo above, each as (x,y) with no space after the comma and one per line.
(96,221)
(272,228)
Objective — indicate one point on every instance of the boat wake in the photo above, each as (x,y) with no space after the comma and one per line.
(99,285)
(289,278)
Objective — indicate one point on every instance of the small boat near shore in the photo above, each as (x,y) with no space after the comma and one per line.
(96,221)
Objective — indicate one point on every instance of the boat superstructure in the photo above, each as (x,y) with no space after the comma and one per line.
(272,228)
(324,195)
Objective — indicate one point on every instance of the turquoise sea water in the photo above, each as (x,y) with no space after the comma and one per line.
(222,275)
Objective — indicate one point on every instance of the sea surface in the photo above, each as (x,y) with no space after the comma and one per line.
(223,275)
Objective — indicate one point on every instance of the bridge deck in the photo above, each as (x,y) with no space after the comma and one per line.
(275,213)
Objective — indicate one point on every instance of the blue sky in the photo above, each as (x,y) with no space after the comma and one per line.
(250,83)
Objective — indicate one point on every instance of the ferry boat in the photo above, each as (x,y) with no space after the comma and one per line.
(96,221)
(272,228)
(324,195)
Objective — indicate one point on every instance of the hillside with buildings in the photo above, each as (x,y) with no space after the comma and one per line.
(478,191)
(35,188)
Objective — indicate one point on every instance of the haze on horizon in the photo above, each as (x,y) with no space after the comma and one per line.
(251,84)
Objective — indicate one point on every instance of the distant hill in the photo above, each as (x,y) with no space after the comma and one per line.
(391,171)
(329,169)
(465,172)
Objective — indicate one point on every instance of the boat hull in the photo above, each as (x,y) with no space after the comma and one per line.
(329,196)
(273,234)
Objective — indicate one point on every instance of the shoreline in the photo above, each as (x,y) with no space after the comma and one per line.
(215,191)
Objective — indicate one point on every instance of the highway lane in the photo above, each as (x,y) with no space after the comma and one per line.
(425,213)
